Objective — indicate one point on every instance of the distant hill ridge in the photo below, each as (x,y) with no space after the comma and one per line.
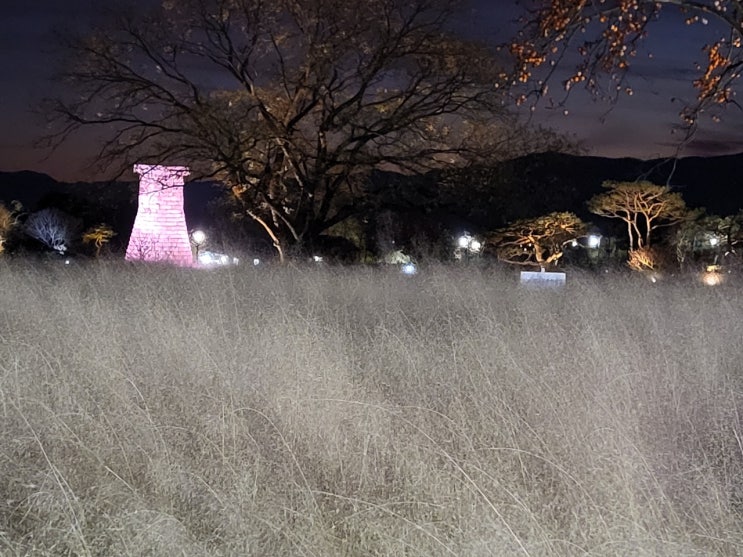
(531,185)
(712,182)
(114,202)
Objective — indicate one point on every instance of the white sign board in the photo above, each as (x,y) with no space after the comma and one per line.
(542,279)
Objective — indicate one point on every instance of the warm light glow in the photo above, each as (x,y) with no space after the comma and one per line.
(712,276)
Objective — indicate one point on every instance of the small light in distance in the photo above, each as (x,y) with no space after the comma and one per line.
(714,240)
(475,245)
(594,241)
(256,262)
(463,241)
(317,258)
(409,269)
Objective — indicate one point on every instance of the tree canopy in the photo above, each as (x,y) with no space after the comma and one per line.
(537,241)
(52,228)
(606,37)
(291,102)
(98,235)
(643,206)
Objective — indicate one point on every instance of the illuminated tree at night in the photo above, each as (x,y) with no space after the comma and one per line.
(290,103)
(52,227)
(643,206)
(98,235)
(8,221)
(537,241)
(606,36)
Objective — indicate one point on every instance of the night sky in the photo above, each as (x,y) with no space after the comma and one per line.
(638,126)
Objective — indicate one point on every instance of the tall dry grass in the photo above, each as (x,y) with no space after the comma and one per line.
(357,412)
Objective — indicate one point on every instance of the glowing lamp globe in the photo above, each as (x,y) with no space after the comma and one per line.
(409,269)
(198,237)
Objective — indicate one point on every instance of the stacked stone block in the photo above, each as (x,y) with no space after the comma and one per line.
(160,233)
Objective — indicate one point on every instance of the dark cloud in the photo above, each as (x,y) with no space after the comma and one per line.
(710,146)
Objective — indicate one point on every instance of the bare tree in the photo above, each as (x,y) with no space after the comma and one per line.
(51,227)
(643,206)
(606,36)
(290,103)
(537,241)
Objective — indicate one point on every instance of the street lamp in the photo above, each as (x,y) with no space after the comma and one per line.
(198,237)
(594,241)
(467,244)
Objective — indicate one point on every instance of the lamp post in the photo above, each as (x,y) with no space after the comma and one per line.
(198,237)
(463,241)
(467,245)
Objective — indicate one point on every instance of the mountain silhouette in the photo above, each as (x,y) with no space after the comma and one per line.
(487,197)
(114,203)
(566,182)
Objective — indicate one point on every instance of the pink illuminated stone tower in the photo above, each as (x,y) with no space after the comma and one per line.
(160,232)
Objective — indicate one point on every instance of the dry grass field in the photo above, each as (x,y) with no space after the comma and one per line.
(358,412)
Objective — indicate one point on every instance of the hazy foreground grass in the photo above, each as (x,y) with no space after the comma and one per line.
(357,412)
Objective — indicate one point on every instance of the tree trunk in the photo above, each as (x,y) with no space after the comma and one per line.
(629,233)
(275,239)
